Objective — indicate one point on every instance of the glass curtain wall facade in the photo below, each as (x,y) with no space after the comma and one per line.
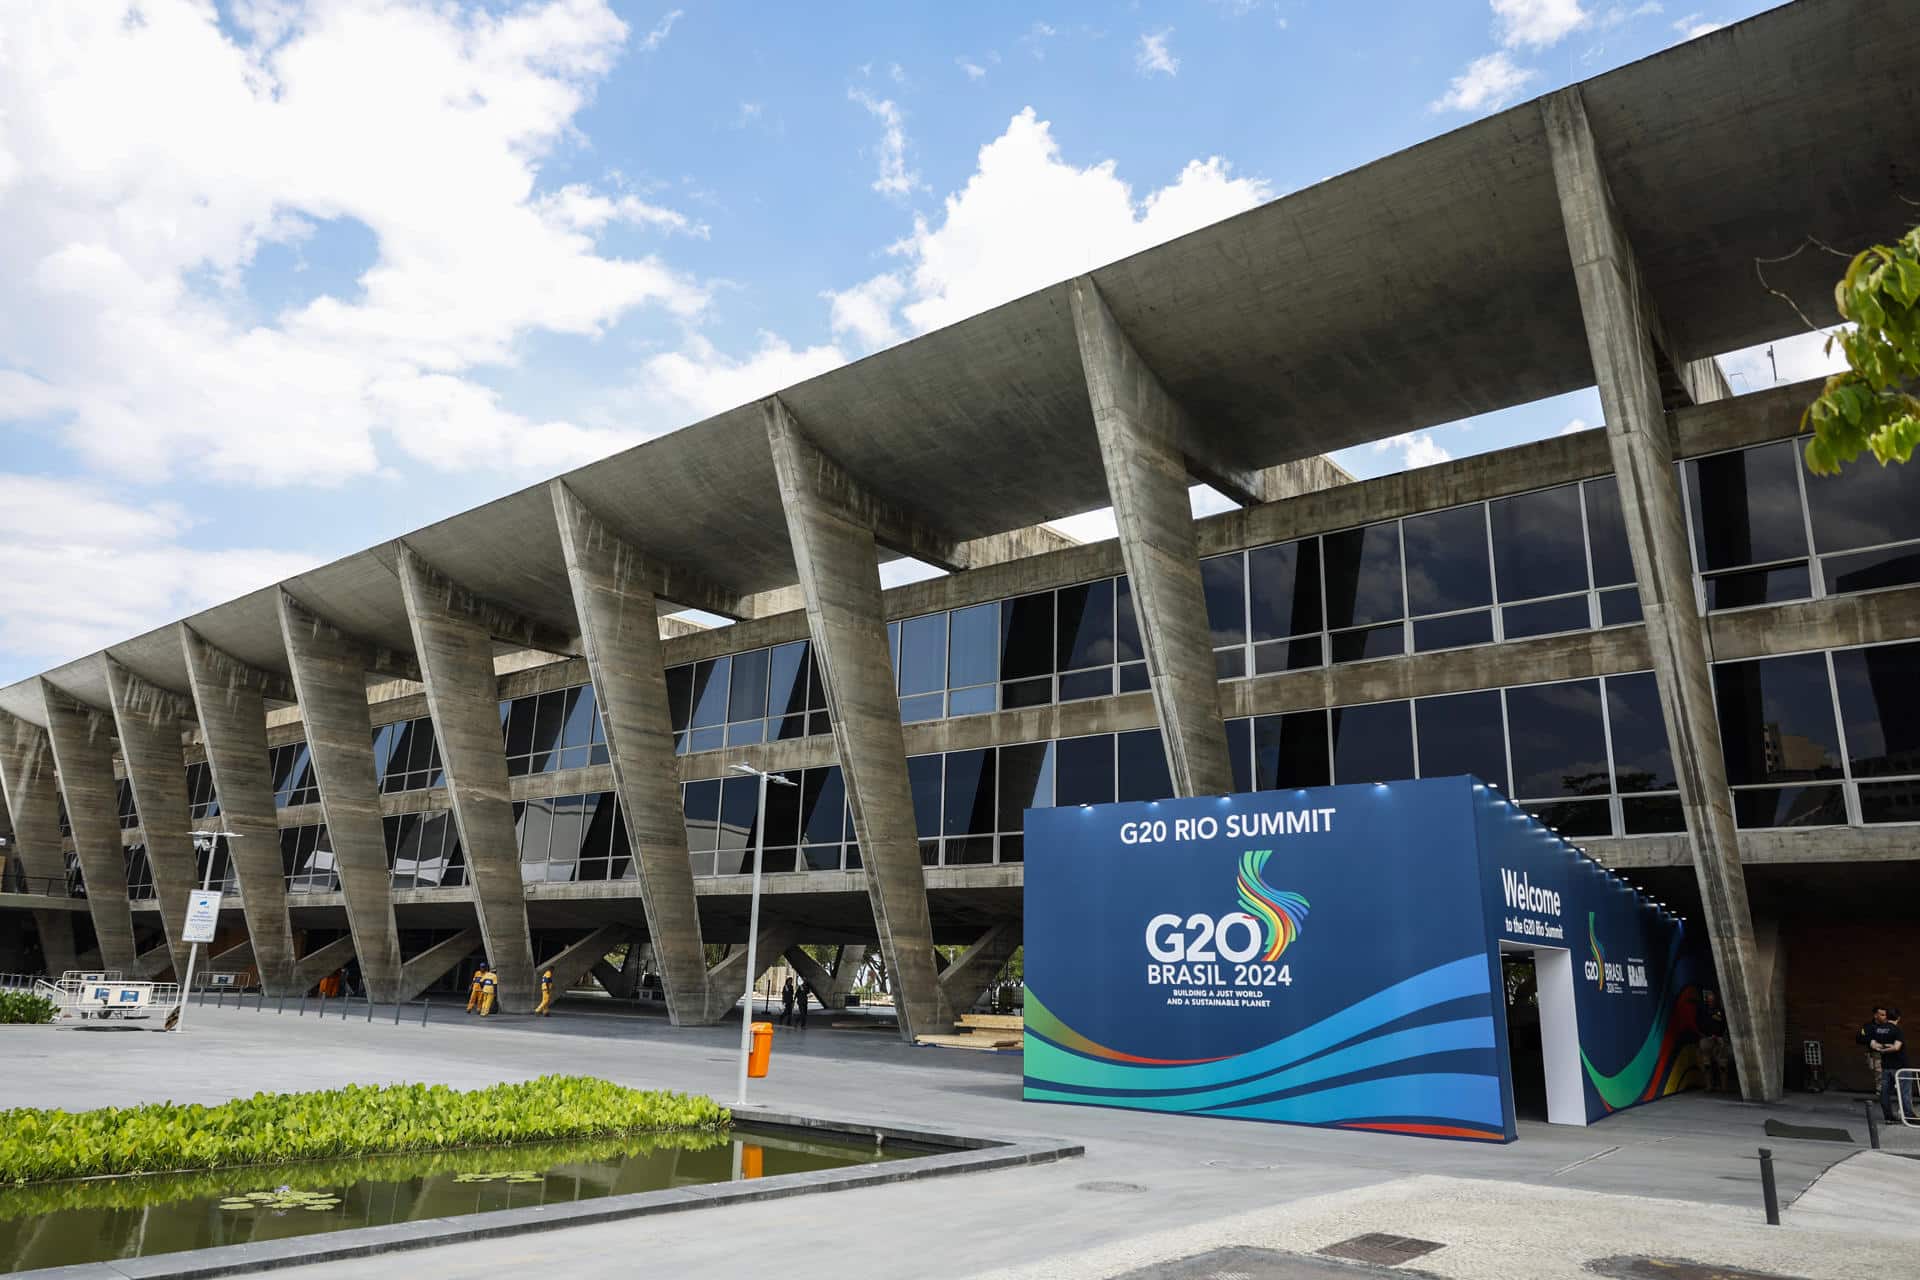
(306,856)
(406,756)
(202,803)
(762,695)
(123,797)
(573,838)
(547,732)
(293,778)
(139,873)
(423,850)
(809,826)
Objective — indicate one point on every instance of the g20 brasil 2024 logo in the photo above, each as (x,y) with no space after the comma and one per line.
(1279,912)
(1268,925)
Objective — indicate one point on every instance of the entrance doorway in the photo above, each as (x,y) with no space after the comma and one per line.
(1543,1037)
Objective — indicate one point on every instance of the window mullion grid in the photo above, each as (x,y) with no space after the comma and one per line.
(1849,789)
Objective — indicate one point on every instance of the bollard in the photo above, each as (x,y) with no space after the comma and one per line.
(220,998)
(426,1007)
(320,1010)
(280,1004)
(396,1013)
(303,1004)
(369,1006)
(1873,1126)
(1768,1191)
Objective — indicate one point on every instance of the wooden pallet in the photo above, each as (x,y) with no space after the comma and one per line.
(988,1042)
(993,1022)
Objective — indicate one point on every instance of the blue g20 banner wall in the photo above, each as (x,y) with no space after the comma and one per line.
(1331,957)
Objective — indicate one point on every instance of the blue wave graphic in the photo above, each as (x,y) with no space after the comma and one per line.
(1455,1097)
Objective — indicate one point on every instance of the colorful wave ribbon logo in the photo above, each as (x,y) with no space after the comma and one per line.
(1599,957)
(1279,912)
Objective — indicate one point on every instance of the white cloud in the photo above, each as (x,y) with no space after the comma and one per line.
(1027,218)
(1153,55)
(1796,359)
(1488,83)
(704,380)
(1575,427)
(895,178)
(1537,24)
(658,36)
(150,161)
(1416,449)
(1694,25)
(866,311)
(137,573)
(1034,41)
(973,69)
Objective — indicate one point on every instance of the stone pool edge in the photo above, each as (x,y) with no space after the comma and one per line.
(966,1154)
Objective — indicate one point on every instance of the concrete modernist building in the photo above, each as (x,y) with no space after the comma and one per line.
(1661,636)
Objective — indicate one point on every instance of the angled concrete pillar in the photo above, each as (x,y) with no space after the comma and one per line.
(229,701)
(846,974)
(454,645)
(1144,441)
(33,804)
(834,551)
(427,968)
(148,720)
(572,962)
(729,981)
(620,631)
(967,977)
(319,962)
(330,680)
(1623,334)
(83,756)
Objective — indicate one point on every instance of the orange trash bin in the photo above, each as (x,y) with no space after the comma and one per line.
(762,1051)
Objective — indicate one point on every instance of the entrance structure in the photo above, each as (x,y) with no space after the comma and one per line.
(1331,956)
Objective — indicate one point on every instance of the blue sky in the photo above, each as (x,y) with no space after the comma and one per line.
(280,279)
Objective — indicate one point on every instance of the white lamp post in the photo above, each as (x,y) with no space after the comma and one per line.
(210,841)
(753,916)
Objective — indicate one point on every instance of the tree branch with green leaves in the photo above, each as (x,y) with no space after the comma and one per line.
(1867,407)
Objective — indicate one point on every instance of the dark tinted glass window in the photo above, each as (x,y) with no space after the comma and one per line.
(1890,801)
(1220,580)
(1143,766)
(1026,782)
(1373,642)
(924,773)
(702,803)
(739,815)
(1863,506)
(1362,575)
(783,810)
(710,691)
(923,654)
(1776,719)
(1607,533)
(787,678)
(1455,631)
(1641,758)
(1538,548)
(1746,506)
(823,802)
(1462,733)
(1290,751)
(1372,743)
(1126,624)
(1758,586)
(1086,625)
(1026,636)
(679,696)
(971,805)
(1545,617)
(1447,560)
(1284,586)
(1880,707)
(973,657)
(1871,570)
(1620,606)
(1084,770)
(1559,743)
(1790,807)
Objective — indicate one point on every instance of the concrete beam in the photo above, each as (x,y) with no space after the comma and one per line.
(841,579)
(500,621)
(320,962)
(1623,335)
(229,699)
(620,630)
(1141,430)
(147,719)
(33,800)
(452,637)
(623,983)
(571,963)
(234,959)
(329,675)
(728,982)
(155,961)
(427,968)
(980,964)
(83,757)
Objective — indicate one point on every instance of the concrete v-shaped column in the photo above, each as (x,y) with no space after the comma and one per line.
(330,680)
(1622,333)
(729,980)
(846,972)
(835,553)
(26,775)
(1142,429)
(83,757)
(454,645)
(229,698)
(148,720)
(979,964)
(620,631)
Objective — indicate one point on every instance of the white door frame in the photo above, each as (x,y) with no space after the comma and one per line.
(1559,1031)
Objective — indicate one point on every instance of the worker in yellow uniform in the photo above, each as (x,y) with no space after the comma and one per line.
(473,991)
(489,981)
(546,994)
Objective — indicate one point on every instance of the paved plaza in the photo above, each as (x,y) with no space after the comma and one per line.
(1676,1180)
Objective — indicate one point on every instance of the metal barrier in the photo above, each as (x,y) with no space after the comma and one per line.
(44,886)
(1906,1095)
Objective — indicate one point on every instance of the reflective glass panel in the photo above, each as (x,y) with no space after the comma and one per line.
(1372,743)
(823,802)
(1538,546)
(702,803)
(1559,744)
(1746,506)
(1143,766)
(924,773)
(1863,506)
(1290,751)
(1221,581)
(1652,815)
(1641,758)
(679,696)
(1758,586)
(1545,617)
(1607,533)
(1462,733)
(1284,589)
(923,654)
(1871,570)
(1776,719)
(1879,692)
(747,694)
(1086,625)
(1286,655)
(1455,631)
(1026,782)
(1026,636)
(1084,770)
(1890,801)
(1374,642)
(787,679)
(1789,807)
(1447,560)
(975,654)
(1617,608)
(1575,818)
(783,809)
(1362,575)
(710,691)
(971,807)
(1126,624)
(739,814)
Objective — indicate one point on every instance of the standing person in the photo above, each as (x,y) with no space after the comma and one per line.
(1896,1095)
(1710,1021)
(546,993)
(489,985)
(473,989)
(1877,1031)
(800,1004)
(786,1003)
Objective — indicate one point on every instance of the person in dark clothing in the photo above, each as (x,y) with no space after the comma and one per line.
(1716,1060)
(786,1004)
(800,1004)
(1884,1039)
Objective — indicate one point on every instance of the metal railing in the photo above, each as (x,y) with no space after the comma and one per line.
(339,1008)
(46,886)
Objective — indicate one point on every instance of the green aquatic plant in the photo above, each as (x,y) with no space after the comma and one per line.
(25,1007)
(280,1200)
(269,1129)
